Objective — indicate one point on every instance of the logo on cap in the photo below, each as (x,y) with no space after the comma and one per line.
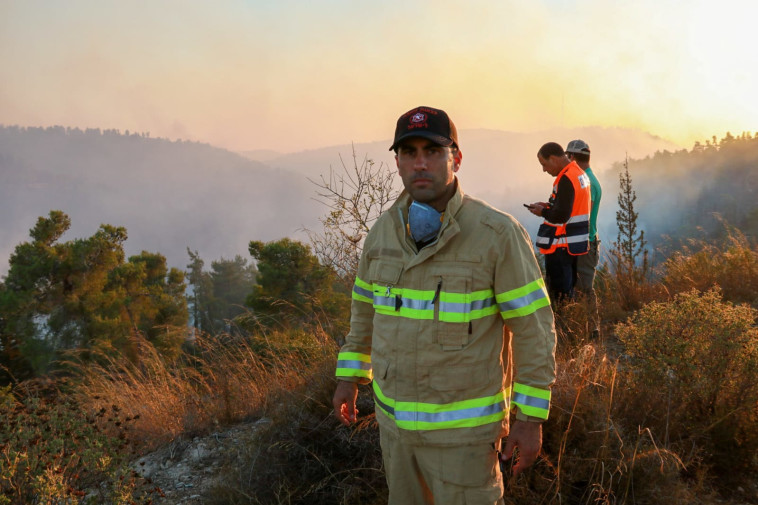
(418,117)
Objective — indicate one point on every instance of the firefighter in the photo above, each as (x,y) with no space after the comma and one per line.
(448,302)
(565,232)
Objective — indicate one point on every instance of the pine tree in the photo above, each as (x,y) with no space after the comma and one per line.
(82,294)
(629,255)
(202,293)
(292,287)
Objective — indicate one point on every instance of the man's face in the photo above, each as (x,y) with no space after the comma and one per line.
(550,165)
(427,170)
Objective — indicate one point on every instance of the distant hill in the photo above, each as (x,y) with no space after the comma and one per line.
(169,195)
(501,167)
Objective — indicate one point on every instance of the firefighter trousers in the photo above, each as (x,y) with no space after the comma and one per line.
(441,475)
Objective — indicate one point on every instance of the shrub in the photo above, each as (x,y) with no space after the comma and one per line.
(52,452)
(733,267)
(694,365)
(590,455)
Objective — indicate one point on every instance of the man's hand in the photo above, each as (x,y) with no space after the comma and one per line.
(527,437)
(537,207)
(344,402)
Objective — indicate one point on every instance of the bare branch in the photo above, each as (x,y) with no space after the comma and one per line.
(355,197)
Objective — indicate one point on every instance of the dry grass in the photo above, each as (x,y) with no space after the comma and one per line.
(216,381)
(305,456)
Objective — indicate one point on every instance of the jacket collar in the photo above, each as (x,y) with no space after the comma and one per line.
(451,209)
(566,169)
(449,228)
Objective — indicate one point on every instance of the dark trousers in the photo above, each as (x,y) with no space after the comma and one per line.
(586,265)
(560,275)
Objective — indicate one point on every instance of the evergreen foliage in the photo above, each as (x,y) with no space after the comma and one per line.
(219,295)
(686,194)
(82,294)
(292,286)
(696,359)
(628,255)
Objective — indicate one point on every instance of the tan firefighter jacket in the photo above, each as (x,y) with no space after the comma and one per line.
(430,327)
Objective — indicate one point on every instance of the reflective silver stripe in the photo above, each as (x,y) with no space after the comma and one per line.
(571,220)
(362,292)
(466,308)
(454,415)
(572,239)
(531,401)
(580,217)
(543,240)
(483,304)
(354,364)
(523,301)
(415,304)
(383,301)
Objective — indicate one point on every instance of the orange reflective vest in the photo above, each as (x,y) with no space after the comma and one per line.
(574,234)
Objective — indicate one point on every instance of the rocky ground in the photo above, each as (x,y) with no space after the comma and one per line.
(185,471)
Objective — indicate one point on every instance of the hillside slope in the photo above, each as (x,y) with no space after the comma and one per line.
(169,195)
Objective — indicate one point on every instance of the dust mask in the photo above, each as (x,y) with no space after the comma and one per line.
(424,222)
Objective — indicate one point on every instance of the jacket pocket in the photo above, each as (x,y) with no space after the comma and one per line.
(447,378)
(381,368)
(383,276)
(384,272)
(453,309)
(546,236)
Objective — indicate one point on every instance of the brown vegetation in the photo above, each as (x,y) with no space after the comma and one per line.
(665,407)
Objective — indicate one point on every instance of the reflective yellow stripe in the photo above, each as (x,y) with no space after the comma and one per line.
(354,364)
(410,303)
(523,301)
(362,291)
(531,401)
(453,307)
(433,416)
(465,307)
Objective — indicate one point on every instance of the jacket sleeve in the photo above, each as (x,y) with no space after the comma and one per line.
(354,359)
(525,308)
(560,207)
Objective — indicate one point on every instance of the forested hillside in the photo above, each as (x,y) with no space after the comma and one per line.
(689,194)
(168,195)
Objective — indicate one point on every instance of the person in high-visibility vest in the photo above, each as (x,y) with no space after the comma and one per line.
(452,326)
(564,234)
(586,264)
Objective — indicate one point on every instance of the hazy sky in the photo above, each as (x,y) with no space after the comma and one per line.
(293,75)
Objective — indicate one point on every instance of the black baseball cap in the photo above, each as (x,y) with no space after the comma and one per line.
(428,122)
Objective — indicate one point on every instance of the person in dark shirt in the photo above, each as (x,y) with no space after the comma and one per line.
(564,235)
